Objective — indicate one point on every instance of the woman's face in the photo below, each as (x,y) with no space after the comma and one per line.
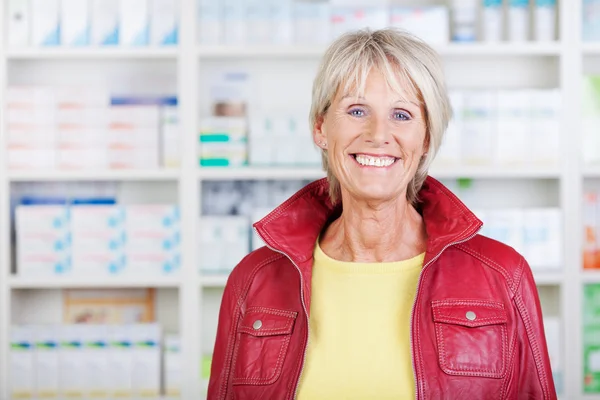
(374,142)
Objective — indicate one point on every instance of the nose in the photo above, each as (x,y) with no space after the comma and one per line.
(377,132)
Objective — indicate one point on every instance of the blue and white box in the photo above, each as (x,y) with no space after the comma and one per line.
(164,26)
(98,239)
(74,23)
(45,22)
(135,24)
(43,240)
(47,361)
(105,22)
(21,364)
(210,22)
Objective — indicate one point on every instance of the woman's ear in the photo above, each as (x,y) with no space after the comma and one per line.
(319,136)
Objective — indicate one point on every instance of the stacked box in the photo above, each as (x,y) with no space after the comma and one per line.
(98,239)
(152,240)
(43,240)
(133,139)
(223,142)
(22,362)
(223,242)
(30,125)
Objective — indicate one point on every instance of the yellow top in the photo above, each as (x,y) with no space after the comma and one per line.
(359,336)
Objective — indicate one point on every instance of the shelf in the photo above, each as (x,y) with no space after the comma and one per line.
(590,276)
(591,48)
(248,173)
(494,172)
(315,51)
(83,53)
(90,175)
(591,171)
(215,281)
(548,277)
(498,172)
(96,282)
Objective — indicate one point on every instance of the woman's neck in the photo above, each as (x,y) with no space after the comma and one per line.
(392,231)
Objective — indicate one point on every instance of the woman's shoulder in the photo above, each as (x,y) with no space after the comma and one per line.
(496,255)
(253,263)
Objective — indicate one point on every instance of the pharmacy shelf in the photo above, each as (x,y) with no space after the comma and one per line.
(214,281)
(98,282)
(315,51)
(591,48)
(591,171)
(548,277)
(488,172)
(249,173)
(590,276)
(494,172)
(90,175)
(73,53)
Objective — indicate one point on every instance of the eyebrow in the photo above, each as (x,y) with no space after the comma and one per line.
(348,96)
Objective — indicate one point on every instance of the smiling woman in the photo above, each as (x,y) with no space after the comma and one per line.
(374,282)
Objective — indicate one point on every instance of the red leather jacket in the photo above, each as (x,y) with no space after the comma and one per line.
(476,330)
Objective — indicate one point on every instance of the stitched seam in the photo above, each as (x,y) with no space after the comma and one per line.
(534,345)
(465,370)
(281,313)
(475,324)
(275,375)
(512,352)
(491,263)
(466,302)
(232,342)
(521,270)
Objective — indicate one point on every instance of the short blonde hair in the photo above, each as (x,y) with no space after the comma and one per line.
(403,59)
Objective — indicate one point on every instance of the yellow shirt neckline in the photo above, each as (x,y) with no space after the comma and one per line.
(322,260)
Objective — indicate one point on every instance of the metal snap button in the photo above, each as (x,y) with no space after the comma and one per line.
(257,324)
(471,316)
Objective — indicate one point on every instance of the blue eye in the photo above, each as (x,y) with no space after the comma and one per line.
(356,112)
(402,116)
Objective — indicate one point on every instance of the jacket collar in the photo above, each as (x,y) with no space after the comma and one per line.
(294,226)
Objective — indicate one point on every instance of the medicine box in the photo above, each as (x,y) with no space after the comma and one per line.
(45,24)
(105,22)
(134,29)
(19,23)
(75,23)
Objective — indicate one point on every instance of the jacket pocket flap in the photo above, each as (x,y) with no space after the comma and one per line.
(469,313)
(263,321)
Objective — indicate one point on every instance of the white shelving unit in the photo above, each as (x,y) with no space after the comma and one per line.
(540,65)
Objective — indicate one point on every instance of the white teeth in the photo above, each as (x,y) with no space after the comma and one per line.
(374,161)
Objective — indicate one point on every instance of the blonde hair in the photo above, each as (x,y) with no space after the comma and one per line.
(403,59)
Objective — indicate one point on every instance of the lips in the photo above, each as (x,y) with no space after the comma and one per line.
(368,160)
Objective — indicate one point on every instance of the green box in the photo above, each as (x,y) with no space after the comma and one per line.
(591,338)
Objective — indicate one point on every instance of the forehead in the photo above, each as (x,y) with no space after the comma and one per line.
(397,80)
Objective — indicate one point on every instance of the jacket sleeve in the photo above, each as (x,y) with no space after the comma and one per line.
(219,385)
(535,377)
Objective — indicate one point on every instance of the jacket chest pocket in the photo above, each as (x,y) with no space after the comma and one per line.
(263,339)
(471,337)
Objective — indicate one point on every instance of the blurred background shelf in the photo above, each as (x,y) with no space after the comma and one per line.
(83,175)
(208,174)
(94,283)
(307,51)
(84,53)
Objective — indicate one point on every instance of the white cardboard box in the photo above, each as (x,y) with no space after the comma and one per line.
(135,24)
(19,23)
(75,23)
(45,24)
(105,22)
